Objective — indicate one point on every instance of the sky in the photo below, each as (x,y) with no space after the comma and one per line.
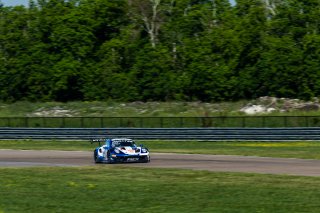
(25,2)
(14,2)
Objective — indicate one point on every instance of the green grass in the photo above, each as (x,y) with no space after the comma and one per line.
(132,109)
(112,108)
(119,188)
(47,145)
(124,189)
(303,149)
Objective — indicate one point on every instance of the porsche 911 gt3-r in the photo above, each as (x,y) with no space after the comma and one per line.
(120,150)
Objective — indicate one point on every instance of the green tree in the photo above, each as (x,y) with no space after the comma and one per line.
(14,43)
(153,74)
(251,30)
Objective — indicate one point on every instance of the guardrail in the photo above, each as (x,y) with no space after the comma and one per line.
(203,134)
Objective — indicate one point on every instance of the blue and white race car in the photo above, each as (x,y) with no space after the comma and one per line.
(120,150)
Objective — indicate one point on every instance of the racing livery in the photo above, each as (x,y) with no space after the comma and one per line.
(120,150)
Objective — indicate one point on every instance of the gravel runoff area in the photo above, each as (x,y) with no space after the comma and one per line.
(225,163)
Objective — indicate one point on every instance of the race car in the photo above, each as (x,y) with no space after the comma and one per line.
(120,150)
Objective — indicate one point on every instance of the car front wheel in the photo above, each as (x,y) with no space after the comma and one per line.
(146,159)
(96,157)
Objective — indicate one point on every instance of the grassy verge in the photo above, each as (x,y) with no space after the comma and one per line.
(305,150)
(47,145)
(122,189)
(160,109)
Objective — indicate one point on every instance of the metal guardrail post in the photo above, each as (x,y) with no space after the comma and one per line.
(285,121)
(101,122)
(243,122)
(26,122)
(81,122)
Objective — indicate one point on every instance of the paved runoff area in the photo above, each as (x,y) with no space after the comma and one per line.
(225,163)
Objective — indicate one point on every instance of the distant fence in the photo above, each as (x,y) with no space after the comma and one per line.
(200,134)
(161,122)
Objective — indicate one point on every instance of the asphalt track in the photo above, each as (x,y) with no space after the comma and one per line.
(225,163)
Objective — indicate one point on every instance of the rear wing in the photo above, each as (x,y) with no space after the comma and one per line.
(98,140)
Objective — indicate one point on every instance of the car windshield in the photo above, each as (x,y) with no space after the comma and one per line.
(126,144)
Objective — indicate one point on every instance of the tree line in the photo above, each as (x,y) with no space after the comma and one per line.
(159,50)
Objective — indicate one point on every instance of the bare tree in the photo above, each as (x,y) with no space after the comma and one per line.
(150,13)
(271,6)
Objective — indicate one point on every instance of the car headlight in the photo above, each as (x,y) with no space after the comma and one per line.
(144,150)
